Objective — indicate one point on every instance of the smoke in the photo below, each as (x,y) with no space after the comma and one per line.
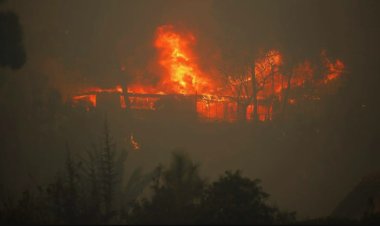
(76,44)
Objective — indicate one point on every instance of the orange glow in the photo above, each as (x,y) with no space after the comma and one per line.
(177,59)
(143,103)
(90,95)
(262,112)
(212,108)
(135,145)
(292,101)
(268,64)
(334,69)
(181,74)
(301,74)
(144,89)
(87,98)
(117,89)
(123,105)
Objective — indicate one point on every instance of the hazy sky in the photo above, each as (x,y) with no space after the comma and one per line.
(86,41)
(76,43)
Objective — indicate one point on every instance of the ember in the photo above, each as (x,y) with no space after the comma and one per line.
(135,145)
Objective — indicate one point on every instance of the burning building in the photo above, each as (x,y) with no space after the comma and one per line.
(258,91)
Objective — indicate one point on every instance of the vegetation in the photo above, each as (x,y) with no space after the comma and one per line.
(92,188)
(90,191)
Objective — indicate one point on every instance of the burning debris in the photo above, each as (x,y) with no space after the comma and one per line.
(134,143)
(255,93)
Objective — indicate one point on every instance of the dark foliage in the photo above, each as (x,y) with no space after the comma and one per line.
(235,199)
(176,195)
(180,196)
(12,52)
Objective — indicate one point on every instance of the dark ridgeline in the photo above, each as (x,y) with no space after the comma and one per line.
(362,201)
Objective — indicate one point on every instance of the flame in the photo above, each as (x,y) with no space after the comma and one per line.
(135,145)
(262,111)
(123,105)
(143,103)
(87,98)
(302,73)
(117,89)
(91,92)
(177,58)
(334,69)
(216,108)
(267,65)
(267,74)
(144,89)
(181,74)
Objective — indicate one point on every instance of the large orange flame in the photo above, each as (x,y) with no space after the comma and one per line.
(177,58)
(183,75)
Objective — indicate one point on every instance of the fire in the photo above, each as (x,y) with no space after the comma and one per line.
(90,95)
(334,69)
(143,103)
(182,75)
(177,58)
(88,98)
(302,73)
(216,108)
(123,105)
(292,101)
(117,89)
(267,65)
(135,145)
(268,78)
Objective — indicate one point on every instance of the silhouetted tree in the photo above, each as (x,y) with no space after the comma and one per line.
(64,194)
(107,172)
(234,199)
(177,192)
(180,196)
(12,52)
(135,186)
(103,169)
(90,171)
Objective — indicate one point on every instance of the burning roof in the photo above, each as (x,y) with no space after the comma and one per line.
(261,84)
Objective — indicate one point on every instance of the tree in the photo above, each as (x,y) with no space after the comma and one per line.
(107,171)
(176,194)
(238,81)
(234,199)
(104,169)
(64,196)
(86,192)
(253,78)
(72,177)
(181,196)
(12,52)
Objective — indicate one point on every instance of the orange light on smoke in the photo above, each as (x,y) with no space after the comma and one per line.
(182,74)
